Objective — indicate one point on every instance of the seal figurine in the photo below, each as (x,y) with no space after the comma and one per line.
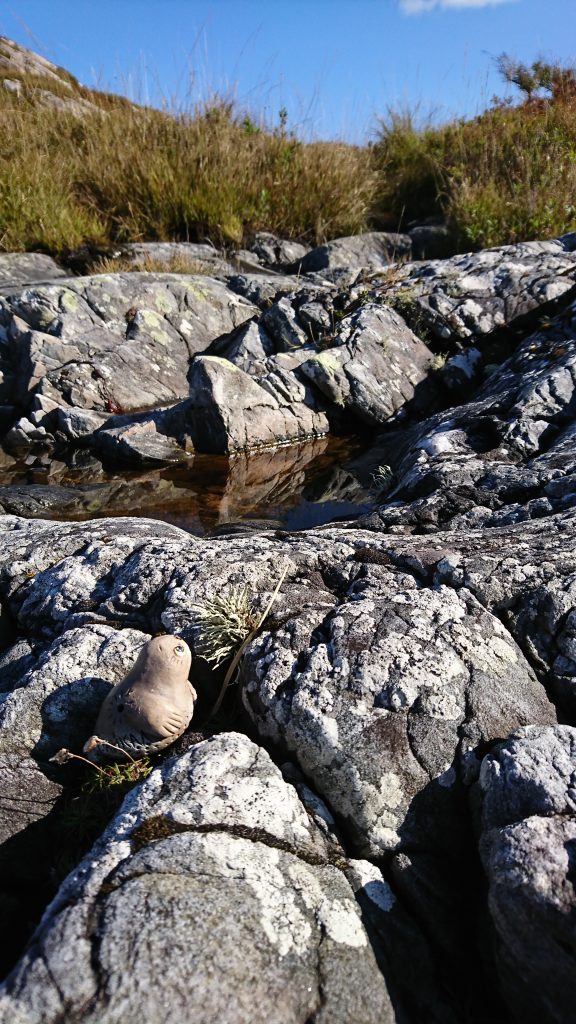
(151,707)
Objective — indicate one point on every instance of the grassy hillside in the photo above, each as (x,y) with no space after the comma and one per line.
(506,176)
(77,165)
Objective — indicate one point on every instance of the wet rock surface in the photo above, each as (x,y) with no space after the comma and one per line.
(413,859)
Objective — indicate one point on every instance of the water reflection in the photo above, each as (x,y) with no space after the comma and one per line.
(295,487)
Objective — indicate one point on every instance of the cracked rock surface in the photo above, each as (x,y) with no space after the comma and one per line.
(109,341)
(215,851)
(390,667)
(502,458)
(528,847)
(388,834)
(471,295)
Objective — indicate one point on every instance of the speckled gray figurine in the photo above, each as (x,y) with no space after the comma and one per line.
(151,707)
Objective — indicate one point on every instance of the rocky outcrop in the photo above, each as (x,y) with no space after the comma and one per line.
(504,457)
(261,920)
(108,343)
(172,257)
(329,360)
(34,80)
(19,60)
(386,673)
(273,251)
(472,295)
(528,849)
(374,368)
(230,411)
(414,858)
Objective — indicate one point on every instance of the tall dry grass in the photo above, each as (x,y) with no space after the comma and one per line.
(506,176)
(131,173)
(126,173)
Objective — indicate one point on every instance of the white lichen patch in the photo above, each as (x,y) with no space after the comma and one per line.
(339,917)
(342,923)
(371,883)
(282,913)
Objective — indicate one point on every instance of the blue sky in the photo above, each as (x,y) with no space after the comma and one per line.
(335,65)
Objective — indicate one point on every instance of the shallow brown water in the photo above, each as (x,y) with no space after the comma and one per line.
(294,487)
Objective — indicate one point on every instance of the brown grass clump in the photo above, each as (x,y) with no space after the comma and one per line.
(175,264)
(128,173)
(106,171)
(506,176)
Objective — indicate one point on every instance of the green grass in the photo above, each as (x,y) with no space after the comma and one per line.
(130,173)
(506,176)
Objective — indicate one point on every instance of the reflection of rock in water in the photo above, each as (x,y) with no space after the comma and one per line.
(258,490)
(119,497)
(337,484)
(275,478)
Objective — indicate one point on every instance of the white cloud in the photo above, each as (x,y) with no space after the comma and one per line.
(422,6)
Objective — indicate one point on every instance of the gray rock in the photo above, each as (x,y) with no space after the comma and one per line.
(176,257)
(148,493)
(374,367)
(27,796)
(527,846)
(24,434)
(75,423)
(470,296)
(112,342)
(264,288)
(273,251)
(16,58)
(230,411)
(506,455)
(19,269)
(58,698)
(212,894)
(149,439)
(12,85)
(248,348)
(373,250)
(532,773)
(48,700)
(281,324)
(379,671)
(76,106)
(386,737)
(525,573)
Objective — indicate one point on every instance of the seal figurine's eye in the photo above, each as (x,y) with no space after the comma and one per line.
(179,649)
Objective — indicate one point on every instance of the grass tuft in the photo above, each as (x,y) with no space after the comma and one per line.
(129,173)
(175,264)
(224,624)
(504,177)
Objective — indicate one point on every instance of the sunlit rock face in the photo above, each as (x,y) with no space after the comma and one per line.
(403,806)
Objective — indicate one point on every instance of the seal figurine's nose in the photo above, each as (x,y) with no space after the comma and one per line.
(150,708)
